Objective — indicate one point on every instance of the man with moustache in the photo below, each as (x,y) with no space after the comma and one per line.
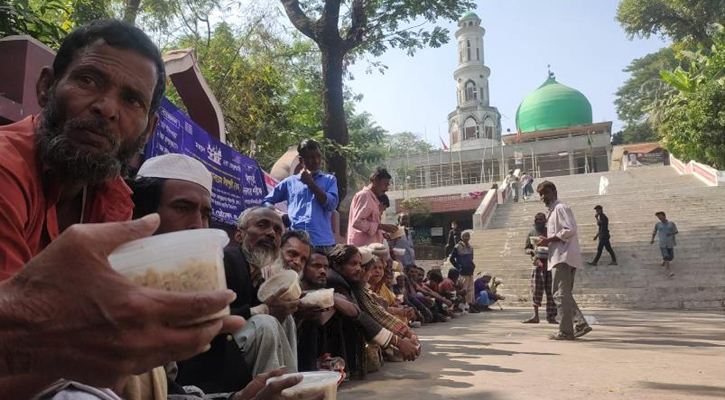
(268,340)
(65,166)
(296,250)
(564,259)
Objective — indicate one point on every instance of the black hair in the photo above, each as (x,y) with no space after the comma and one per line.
(146,195)
(286,221)
(302,236)
(435,276)
(660,213)
(118,34)
(598,207)
(540,215)
(380,173)
(307,145)
(545,185)
(453,274)
(317,250)
(384,200)
(341,254)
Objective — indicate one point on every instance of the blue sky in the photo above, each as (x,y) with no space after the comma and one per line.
(581,39)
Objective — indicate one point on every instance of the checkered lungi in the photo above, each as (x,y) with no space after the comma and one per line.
(540,284)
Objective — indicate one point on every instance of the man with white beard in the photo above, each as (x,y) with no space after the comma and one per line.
(268,340)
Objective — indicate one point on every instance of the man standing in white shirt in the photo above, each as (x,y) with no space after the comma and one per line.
(564,259)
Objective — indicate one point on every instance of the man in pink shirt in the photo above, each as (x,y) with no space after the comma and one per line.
(364,225)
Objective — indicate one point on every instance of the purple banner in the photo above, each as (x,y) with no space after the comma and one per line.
(238,179)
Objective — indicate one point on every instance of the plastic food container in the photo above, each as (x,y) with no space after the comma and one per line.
(399,252)
(283,279)
(186,261)
(323,298)
(535,239)
(312,383)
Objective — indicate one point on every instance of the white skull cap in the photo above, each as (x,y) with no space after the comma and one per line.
(177,166)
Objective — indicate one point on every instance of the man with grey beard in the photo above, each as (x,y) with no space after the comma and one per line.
(269,340)
(65,166)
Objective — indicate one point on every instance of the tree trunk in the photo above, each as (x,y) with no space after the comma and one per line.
(131,11)
(334,125)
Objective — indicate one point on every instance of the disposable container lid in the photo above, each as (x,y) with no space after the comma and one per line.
(283,279)
(312,383)
(323,298)
(168,250)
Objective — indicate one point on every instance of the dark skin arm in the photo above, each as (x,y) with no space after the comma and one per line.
(88,323)
(307,179)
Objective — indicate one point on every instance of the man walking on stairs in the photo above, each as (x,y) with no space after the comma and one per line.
(564,259)
(603,236)
(666,231)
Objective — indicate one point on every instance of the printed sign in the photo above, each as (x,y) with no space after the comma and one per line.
(238,180)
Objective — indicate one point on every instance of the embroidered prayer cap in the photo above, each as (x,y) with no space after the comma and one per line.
(177,166)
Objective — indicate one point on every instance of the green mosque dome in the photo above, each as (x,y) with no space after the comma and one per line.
(469,15)
(553,106)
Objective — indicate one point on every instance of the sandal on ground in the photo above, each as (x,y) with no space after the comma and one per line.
(532,320)
(582,331)
(561,336)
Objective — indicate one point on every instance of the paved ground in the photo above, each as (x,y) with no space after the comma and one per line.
(658,355)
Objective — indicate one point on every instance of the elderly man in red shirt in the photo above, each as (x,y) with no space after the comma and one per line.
(64,166)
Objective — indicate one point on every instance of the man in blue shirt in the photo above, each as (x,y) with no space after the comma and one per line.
(311,196)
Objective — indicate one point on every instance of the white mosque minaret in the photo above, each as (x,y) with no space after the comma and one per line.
(474,124)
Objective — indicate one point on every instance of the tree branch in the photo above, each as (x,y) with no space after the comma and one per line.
(356,32)
(327,24)
(298,18)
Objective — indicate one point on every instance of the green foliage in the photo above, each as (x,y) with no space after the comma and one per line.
(638,93)
(400,144)
(48,21)
(680,20)
(694,114)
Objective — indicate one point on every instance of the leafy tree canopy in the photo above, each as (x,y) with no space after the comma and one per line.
(679,20)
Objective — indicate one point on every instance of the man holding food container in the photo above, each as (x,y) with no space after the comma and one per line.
(61,169)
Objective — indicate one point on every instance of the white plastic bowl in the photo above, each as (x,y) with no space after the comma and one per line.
(288,279)
(312,384)
(185,261)
(323,298)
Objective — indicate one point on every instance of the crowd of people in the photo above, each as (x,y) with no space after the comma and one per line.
(75,329)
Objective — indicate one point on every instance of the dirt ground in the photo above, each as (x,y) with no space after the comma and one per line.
(658,355)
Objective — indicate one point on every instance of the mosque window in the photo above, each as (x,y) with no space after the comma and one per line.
(478,57)
(481,89)
(471,92)
(468,49)
(470,129)
(488,128)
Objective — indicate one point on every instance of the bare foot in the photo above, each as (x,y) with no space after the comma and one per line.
(532,320)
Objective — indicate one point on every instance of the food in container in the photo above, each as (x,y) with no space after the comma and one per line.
(323,298)
(287,279)
(312,383)
(535,239)
(186,261)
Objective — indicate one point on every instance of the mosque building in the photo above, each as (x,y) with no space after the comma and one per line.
(555,136)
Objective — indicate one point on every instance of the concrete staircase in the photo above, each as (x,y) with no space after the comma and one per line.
(630,203)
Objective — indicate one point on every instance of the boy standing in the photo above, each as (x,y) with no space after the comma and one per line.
(666,231)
